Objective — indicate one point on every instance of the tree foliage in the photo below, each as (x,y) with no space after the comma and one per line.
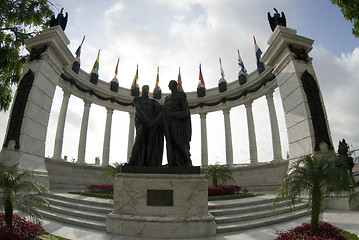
(350,10)
(320,174)
(20,20)
(217,172)
(110,171)
(17,190)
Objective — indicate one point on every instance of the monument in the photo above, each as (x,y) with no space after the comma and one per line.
(151,200)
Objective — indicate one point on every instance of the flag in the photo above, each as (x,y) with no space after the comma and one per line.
(116,69)
(258,53)
(179,81)
(200,75)
(78,51)
(135,79)
(241,64)
(221,68)
(96,65)
(157,79)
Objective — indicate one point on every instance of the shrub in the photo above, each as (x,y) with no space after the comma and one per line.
(101,188)
(226,190)
(320,174)
(217,172)
(326,231)
(21,229)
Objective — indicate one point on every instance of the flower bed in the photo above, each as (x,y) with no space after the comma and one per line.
(326,231)
(101,188)
(226,190)
(21,229)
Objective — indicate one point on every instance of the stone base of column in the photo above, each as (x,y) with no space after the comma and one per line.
(28,162)
(161,206)
(81,162)
(277,159)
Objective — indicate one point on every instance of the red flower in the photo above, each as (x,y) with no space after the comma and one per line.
(326,231)
(21,229)
(101,188)
(226,190)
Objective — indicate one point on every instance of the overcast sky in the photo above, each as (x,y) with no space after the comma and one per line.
(172,34)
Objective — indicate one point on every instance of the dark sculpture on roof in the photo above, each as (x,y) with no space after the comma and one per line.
(276,20)
(61,20)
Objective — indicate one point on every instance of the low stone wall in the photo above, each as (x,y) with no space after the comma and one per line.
(262,177)
(72,176)
(265,177)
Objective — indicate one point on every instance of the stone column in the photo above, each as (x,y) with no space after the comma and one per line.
(83,133)
(227,129)
(251,134)
(277,149)
(25,136)
(131,134)
(288,54)
(107,138)
(61,125)
(204,143)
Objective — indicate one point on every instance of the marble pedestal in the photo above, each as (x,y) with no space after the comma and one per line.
(161,205)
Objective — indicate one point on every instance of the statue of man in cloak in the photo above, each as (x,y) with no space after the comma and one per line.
(177,127)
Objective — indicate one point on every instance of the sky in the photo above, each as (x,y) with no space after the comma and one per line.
(170,34)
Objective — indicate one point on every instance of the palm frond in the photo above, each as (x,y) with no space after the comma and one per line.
(218,172)
(320,174)
(21,191)
(110,171)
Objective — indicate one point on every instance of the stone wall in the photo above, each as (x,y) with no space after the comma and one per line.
(263,177)
(72,176)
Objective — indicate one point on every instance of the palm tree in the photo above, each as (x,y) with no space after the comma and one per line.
(217,172)
(110,171)
(17,191)
(320,174)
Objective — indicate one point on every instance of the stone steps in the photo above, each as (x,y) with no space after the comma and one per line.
(260,222)
(238,208)
(78,210)
(252,213)
(75,220)
(230,215)
(86,206)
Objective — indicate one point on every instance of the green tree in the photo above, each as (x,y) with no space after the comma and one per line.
(350,10)
(217,172)
(17,190)
(20,20)
(110,171)
(320,174)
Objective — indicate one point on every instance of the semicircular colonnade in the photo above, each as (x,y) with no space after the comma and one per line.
(286,61)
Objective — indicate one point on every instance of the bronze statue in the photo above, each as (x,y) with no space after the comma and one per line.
(276,20)
(148,148)
(60,20)
(177,127)
(343,152)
